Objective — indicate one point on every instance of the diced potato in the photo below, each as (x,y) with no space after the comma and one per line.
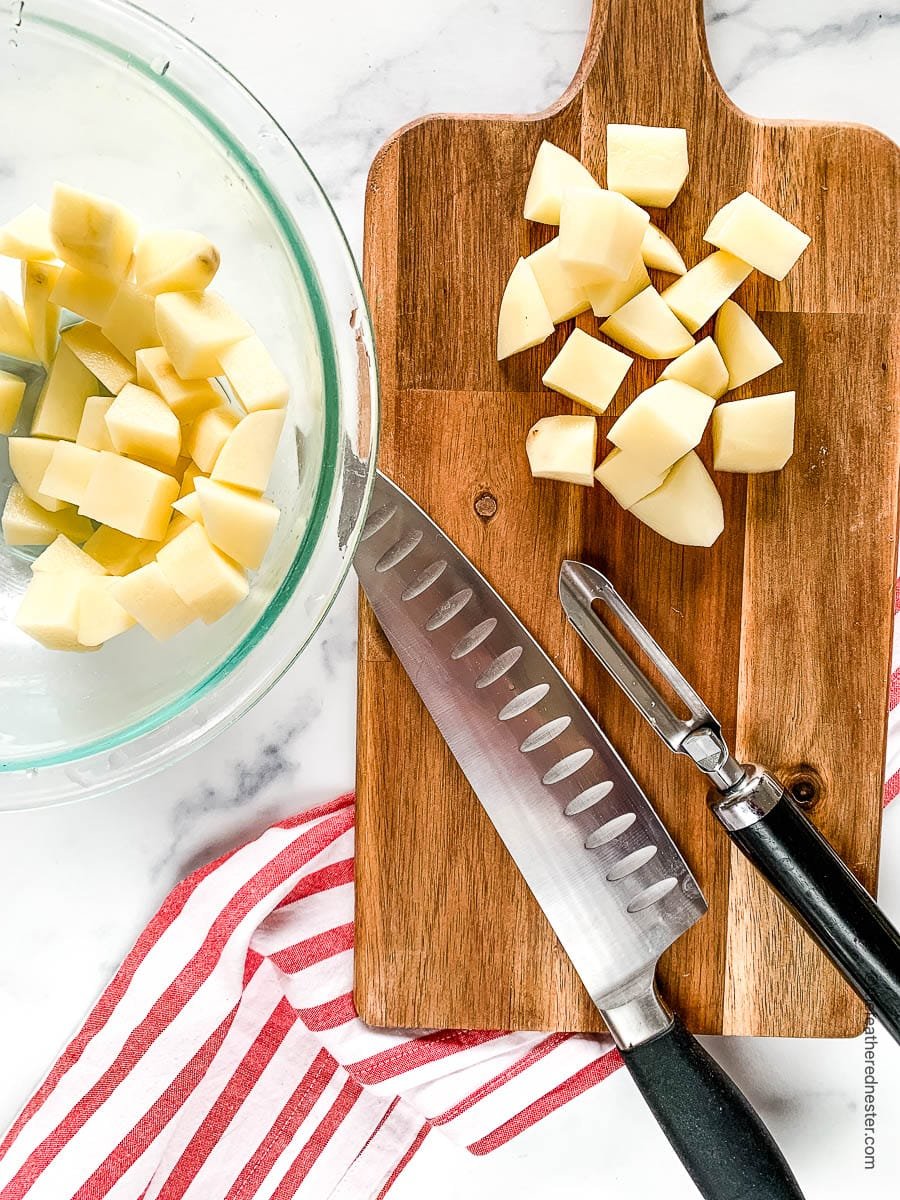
(27,236)
(239,524)
(130,496)
(745,349)
(91,233)
(554,172)
(207,435)
(524,319)
(188,478)
(756,233)
(63,555)
(12,392)
(701,367)
(189,506)
(15,339)
(84,295)
(99,355)
(586,370)
(92,431)
(247,456)
(149,597)
(662,424)
(563,448)
(175,260)
(68,472)
(60,406)
(687,508)
(205,579)
(141,424)
(660,252)
(626,478)
(564,296)
(29,459)
(41,314)
(646,163)
(187,398)
(646,325)
(117,552)
(255,379)
(695,296)
(600,234)
(49,610)
(754,435)
(28,524)
(130,321)
(608,296)
(195,327)
(100,615)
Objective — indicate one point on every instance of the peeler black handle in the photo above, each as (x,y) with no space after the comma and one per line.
(835,908)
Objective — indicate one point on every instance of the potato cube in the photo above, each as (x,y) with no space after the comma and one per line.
(115,551)
(626,478)
(68,472)
(645,163)
(130,321)
(600,234)
(99,355)
(189,506)
(92,431)
(695,296)
(29,459)
(564,296)
(84,295)
(756,233)
(745,349)
(754,435)
(701,367)
(187,398)
(28,524)
(63,555)
(130,496)
(686,508)
(207,581)
(648,326)
(91,233)
(554,172)
(175,260)
(246,458)
(608,296)
(660,252)
(100,615)
(195,327)
(207,435)
(12,391)
(563,448)
(524,319)
(188,480)
(254,378)
(41,314)
(27,236)
(60,406)
(149,597)
(15,339)
(49,610)
(239,524)
(662,424)
(141,424)
(586,370)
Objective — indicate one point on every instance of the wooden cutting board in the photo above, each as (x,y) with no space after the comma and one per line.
(784,626)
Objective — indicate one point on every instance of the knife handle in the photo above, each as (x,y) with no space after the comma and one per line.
(828,899)
(723,1144)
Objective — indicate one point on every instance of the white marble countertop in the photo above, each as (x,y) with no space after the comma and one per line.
(77,883)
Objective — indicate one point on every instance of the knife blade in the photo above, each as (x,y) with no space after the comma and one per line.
(589,844)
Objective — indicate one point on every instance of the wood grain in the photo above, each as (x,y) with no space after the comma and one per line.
(784,626)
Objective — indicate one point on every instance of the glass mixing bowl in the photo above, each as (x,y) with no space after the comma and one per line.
(105,97)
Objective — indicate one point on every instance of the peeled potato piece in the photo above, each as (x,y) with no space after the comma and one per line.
(12,392)
(608,296)
(92,431)
(115,551)
(660,252)
(28,524)
(149,597)
(130,321)
(701,367)
(187,398)
(554,171)
(524,319)
(756,233)
(646,325)
(175,260)
(130,496)
(92,348)
(27,236)
(189,506)
(255,379)
(745,349)
(239,524)
(586,370)
(247,456)
(15,339)
(646,163)
(60,406)
(48,611)
(42,315)
(600,234)
(207,435)
(754,435)
(100,615)
(563,448)
(686,508)
(91,233)
(63,555)
(695,296)
(662,424)
(141,424)
(626,478)
(205,579)
(564,296)
(29,458)
(68,472)
(86,295)
(195,327)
